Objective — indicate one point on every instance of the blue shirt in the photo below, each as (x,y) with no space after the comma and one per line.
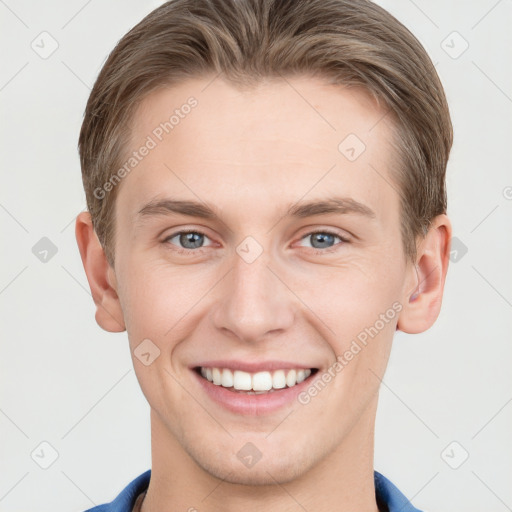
(389,498)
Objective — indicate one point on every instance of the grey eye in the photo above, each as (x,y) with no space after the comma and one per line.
(188,239)
(321,239)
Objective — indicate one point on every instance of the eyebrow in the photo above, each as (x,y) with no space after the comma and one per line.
(337,205)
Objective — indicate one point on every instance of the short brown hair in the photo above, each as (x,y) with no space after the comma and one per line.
(346,42)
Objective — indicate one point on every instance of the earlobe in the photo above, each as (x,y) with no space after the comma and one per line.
(422,302)
(100,276)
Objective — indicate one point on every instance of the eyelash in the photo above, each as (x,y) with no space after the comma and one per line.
(199,250)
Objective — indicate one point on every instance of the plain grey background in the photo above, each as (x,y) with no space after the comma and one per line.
(445,414)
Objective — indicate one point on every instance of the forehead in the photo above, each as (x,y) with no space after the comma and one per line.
(276,142)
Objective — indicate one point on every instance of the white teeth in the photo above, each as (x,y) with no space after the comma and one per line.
(217,378)
(242,380)
(291,378)
(227,378)
(278,379)
(259,382)
(301,375)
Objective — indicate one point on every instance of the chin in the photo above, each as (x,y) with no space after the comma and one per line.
(281,468)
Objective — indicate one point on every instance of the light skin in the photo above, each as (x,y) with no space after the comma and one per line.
(250,155)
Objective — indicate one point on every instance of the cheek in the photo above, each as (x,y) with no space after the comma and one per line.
(363,312)
(353,297)
(157,299)
(156,303)
(366,326)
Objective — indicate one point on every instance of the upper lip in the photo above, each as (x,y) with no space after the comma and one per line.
(253,366)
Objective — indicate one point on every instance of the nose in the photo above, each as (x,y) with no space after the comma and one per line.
(254,303)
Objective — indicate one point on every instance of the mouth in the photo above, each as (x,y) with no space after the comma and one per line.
(256,383)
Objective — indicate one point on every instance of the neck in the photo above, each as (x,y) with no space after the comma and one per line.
(342,480)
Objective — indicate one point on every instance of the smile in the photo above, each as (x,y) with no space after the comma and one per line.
(255,383)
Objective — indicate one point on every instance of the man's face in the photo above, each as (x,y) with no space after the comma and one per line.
(258,285)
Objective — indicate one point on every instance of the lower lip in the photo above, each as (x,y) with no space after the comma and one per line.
(253,405)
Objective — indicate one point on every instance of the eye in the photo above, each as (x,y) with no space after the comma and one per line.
(323,239)
(187,240)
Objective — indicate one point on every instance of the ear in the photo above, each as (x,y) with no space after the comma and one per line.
(422,301)
(100,275)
